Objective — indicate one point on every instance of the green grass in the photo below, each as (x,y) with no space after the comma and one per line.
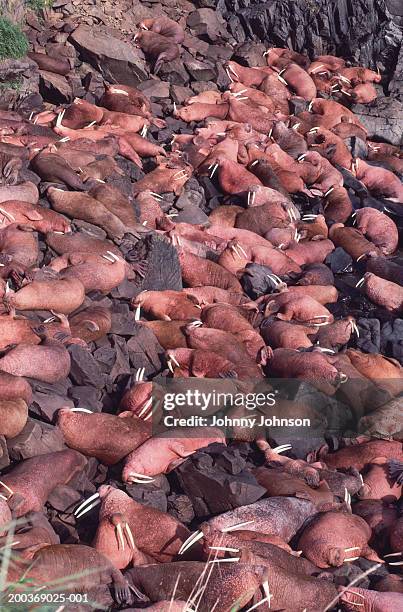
(11,84)
(13,42)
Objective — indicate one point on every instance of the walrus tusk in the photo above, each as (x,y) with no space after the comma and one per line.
(192,539)
(235,527)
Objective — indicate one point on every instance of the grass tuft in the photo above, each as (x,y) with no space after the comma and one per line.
(13,42)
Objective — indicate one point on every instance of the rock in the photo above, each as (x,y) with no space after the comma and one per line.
(174,72)
(179,94)
(396,83)
(46,405)
(250,54)
(383,119)
(181,508)
(120,365)
(215,52)
(37,438)
(54,87)
(4,457)
(86,397)
(195,45)
(148,496)
(199,87)
(116,60)
(201,71)
(217,480)
(64,498)
(360,31)
(84,368)
(208,23)
(154,88)
(123,322)
(145,351)
(163,269)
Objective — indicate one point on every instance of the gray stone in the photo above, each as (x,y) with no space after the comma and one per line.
(208,23)
(4,458)
(84,368)
(154,88)
(116,60)
(37,438)
(174,72)
(54,87)
(46,405)
(383,119)
(201,71)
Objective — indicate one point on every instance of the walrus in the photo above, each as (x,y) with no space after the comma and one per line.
(91,324)
(54,169)
(13,417)
(379,228)
(61,295)
(299,80)
(338,206)
(385,293)
(107,437)
(96,272)
(360,455)
(158,47)
(352,241)
(101,169)
(284,334)
(83,206)
(385,268)
(162,454)
(14,388)
(75,567)
(371,601)
(229,586)
(28,485)
(163,179)
(313,367)
(197,272)
(226,344)
(125,99)
(334,538)
(164,26)
(379,181)
(167,305)
(146,530)
(19,251)
(33,217)
(48,362)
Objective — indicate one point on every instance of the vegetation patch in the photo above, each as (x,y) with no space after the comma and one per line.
(13,42)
